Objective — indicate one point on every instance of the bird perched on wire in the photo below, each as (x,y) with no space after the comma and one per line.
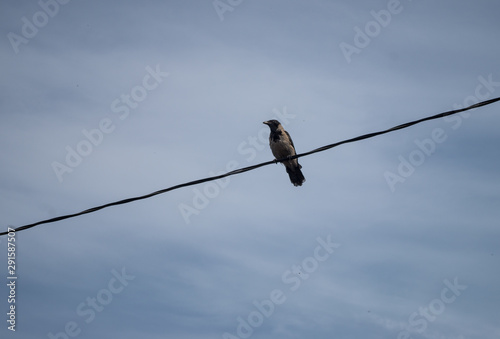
(282,147)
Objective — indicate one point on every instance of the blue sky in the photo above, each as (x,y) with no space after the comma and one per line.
(392,237)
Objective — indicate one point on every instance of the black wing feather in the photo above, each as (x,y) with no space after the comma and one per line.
(289,138)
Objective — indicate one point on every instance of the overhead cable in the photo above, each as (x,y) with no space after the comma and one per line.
(249,168)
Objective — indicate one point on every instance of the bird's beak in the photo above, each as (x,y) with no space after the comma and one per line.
(266,123)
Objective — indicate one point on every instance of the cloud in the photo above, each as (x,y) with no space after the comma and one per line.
(225,78)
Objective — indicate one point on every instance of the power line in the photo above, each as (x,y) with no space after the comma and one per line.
(249,168)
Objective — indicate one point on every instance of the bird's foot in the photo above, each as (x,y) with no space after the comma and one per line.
(275,161)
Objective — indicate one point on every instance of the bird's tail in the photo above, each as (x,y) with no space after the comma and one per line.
(295,174)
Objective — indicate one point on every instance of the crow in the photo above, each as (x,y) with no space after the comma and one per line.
(282,147)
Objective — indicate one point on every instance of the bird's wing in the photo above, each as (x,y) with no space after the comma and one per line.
(289,138)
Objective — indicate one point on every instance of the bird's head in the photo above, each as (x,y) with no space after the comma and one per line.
(273,124)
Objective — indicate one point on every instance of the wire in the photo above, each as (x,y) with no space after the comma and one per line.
(249,168)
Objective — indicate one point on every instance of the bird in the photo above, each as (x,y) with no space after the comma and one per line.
(282,147)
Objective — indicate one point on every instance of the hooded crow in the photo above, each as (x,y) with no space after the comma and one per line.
(282,147)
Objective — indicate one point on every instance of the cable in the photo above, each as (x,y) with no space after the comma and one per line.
(395,128)
(249,168)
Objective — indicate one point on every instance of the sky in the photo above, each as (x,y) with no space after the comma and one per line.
(391,237)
